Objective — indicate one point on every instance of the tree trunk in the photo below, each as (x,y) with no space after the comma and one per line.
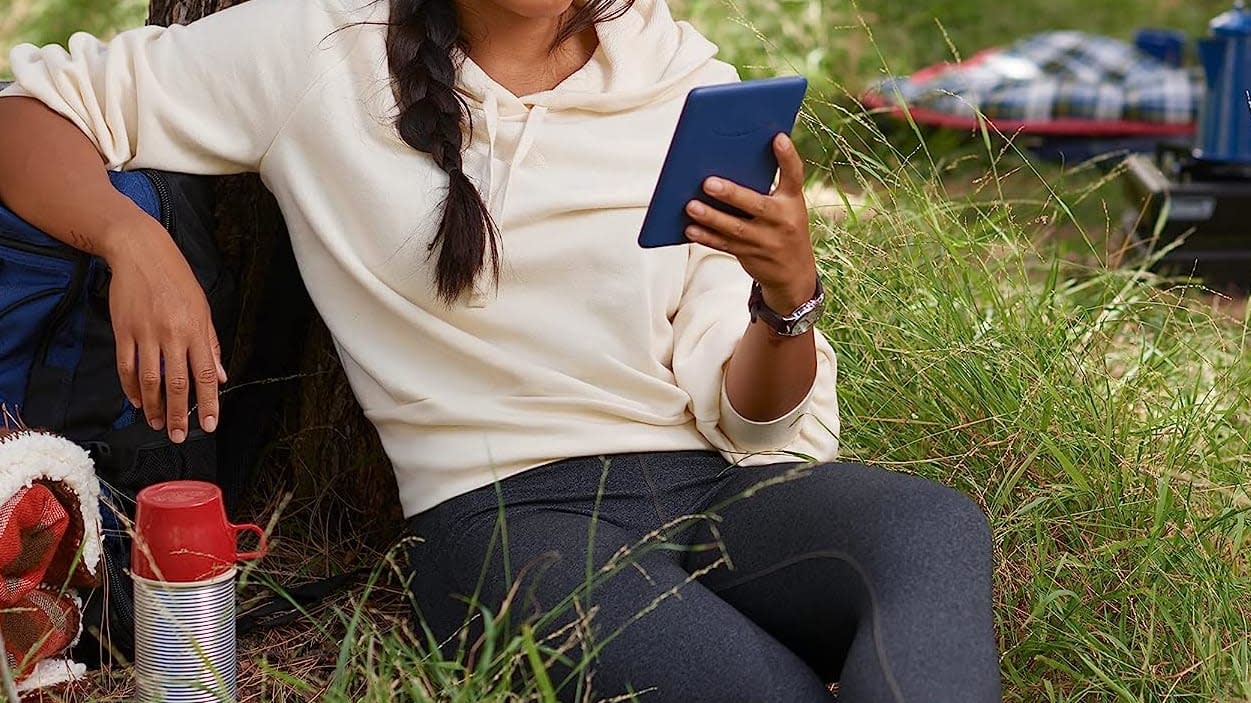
(167,12)
(323,449)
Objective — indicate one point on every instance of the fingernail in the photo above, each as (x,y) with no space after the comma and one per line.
(696,208)
(157,423)
(210,423)
(692,233)
(178,436)
(715,185)
(784,142)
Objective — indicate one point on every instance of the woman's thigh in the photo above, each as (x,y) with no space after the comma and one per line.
(652,628)
(874,577)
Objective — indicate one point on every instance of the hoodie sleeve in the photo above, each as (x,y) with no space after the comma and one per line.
(208,97)
(711,319)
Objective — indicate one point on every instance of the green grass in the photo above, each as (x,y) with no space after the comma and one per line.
(1102,416)
(52,21)
(849,43)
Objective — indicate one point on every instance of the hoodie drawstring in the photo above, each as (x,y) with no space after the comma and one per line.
(495,186)
(529,131)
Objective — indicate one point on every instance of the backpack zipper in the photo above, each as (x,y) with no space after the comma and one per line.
(163,198)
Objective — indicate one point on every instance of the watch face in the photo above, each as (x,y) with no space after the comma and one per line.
(802,326)
(792,325)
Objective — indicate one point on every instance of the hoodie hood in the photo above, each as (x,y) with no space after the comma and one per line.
(642,55)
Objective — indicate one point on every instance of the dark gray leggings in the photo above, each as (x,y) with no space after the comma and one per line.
(875,579)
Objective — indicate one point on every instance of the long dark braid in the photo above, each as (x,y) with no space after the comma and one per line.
(420,39)
(421,35)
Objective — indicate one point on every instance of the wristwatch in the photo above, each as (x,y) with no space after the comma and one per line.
(796,323)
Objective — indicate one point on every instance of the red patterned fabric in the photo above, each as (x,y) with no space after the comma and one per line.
(37,620)
(32,524)
(41,625)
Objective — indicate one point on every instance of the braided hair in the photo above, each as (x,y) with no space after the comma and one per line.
(421,36)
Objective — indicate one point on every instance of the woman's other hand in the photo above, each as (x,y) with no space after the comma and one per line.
(774,246)
(164,330)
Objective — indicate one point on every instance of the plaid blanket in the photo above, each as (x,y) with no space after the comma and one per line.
(1057,82)
(32,524)
(49,546)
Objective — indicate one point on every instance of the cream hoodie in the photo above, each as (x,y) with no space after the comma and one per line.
(590,344)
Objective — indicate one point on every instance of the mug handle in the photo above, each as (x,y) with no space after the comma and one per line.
(261,550)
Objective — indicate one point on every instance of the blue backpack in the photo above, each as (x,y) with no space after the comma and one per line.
(58,367)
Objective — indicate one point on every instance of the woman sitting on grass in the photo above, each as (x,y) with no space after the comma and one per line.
(464,182)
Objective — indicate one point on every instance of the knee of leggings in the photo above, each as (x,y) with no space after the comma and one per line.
(965,517)
(915,513)
(930,504)
(942,514)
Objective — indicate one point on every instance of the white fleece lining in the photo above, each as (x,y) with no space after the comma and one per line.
(26,457)
(50,672)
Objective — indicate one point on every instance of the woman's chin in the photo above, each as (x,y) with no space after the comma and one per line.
(536,9)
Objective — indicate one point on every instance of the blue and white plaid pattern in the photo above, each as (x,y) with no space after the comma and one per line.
(1058,76)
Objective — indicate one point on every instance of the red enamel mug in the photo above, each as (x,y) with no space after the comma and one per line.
(182,534)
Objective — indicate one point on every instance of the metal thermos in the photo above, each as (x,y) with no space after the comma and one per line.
(185,641)
(183,561)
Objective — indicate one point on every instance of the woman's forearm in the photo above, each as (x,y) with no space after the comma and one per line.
(53,177)
(769,375)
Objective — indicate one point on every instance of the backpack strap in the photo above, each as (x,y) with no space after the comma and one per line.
(283,608)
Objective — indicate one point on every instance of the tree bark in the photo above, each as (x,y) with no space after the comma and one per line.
(323,449)
(167,12)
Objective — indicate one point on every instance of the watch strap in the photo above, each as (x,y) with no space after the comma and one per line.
(793,324)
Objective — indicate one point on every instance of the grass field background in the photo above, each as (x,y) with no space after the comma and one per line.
(1101,415)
